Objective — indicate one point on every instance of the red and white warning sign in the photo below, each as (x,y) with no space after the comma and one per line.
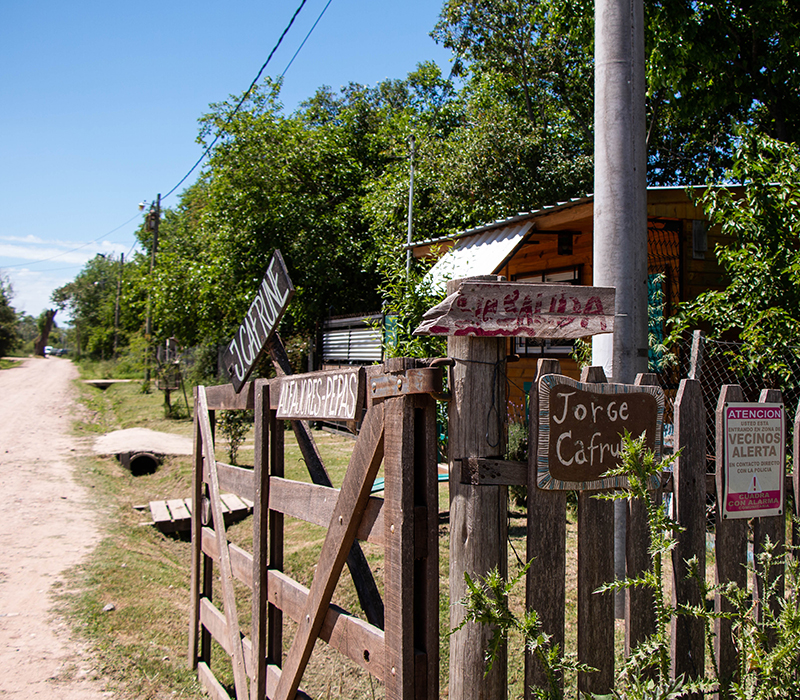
(755,455)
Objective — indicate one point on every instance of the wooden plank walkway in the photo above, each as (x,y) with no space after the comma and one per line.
(175,514)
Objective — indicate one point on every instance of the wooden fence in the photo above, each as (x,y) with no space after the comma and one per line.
(689,485)
(398,643)
(401,649)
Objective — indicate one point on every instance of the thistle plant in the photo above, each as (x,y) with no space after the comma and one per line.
(765,630)
(486,602)
(646,673)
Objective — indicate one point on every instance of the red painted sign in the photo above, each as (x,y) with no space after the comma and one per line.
(754,459)
(520,309)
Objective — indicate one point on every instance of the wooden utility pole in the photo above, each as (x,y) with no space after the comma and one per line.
(153,219)
(116,303)
(478,514)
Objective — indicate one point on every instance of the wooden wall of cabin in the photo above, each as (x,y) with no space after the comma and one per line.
(700,270)
(674,243)
(540,256)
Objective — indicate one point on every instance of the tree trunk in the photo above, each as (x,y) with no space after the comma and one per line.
(41,341)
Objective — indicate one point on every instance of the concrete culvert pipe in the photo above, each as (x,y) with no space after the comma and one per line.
(140,463)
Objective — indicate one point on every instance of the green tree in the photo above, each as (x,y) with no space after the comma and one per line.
(761,303)
(541,47)
(294,184)
(715,65)
(8,318)
(90,300)
(711,66)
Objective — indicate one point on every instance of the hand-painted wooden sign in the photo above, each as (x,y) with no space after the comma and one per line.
(519,309)
(330,395)
(755,455)
(259,324)
(581,427)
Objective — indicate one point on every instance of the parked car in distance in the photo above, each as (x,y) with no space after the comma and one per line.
(48,350)
(60,352)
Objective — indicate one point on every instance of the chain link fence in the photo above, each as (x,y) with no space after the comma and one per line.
(715,363)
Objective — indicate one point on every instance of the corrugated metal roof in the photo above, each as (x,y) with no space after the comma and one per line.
(500,223)
(480,254)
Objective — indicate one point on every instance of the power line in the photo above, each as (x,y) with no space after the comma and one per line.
(216,138)
(73,250)
(239,104)
(314,26)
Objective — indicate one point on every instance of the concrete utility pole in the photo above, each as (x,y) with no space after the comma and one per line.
(620,201)
(620,187)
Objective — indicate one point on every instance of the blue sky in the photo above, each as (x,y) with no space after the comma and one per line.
(100,102)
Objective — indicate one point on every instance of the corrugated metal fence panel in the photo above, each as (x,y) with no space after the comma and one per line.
(335,344)
(352,345)
(365,345)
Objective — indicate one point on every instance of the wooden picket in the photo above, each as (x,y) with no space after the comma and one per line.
(398,430)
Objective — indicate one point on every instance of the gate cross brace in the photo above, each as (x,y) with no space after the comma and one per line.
(350,505)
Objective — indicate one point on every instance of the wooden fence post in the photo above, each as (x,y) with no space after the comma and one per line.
(259,603)
(546,544)
(796,473)
(689,499)
(730,546)
(595,567)
(411,579)
(478,514)
(696,356)
(196,581)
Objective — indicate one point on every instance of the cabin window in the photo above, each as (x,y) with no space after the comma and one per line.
(547,347)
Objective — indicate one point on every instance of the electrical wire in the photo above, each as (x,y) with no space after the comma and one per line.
(239,104)
(73,250)
(216,138)
(299,48)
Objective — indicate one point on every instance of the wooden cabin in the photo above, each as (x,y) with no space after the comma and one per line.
(555,245)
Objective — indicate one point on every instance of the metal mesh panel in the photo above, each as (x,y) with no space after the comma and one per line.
(716,367)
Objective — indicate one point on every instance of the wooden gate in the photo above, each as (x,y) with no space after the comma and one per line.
(397,431)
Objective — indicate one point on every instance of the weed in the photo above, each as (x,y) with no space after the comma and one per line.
(487,602)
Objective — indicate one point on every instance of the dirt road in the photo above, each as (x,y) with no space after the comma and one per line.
(46,527)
